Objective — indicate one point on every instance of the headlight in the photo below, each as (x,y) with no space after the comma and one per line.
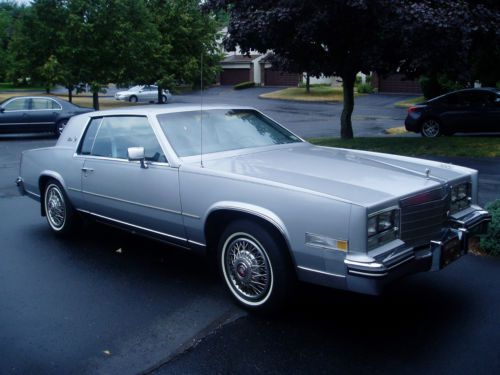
(383,227)
(460,197)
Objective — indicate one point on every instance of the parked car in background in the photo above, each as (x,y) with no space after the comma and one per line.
(464,111)
(271,208)
(30,114)
(143,93)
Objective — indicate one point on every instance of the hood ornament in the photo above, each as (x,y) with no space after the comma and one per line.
(427,172)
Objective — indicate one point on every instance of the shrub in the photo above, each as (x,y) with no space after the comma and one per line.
(364,88)
(244,85)
(490,242)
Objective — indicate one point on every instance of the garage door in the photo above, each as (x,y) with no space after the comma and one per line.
(397,83)
(278,78)
(234,76)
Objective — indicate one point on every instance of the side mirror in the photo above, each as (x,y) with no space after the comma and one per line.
(137,154)
(2,110)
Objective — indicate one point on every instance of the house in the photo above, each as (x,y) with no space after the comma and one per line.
(395,83)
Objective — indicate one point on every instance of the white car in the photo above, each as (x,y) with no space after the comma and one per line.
(143,93)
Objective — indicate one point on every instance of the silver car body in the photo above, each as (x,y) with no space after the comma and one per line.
(320,199)
(143,93)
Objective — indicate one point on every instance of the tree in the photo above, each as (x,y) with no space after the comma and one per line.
(187,37)
(50,73)
(344,37)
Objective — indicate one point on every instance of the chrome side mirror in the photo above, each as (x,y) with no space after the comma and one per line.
(137,154)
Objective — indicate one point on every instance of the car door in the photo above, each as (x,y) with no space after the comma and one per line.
(476,116)
(14,115)
(492,112)
(43,114)
(122,191)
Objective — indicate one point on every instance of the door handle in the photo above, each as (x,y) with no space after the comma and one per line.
(86,171)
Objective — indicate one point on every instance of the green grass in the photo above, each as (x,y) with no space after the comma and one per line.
(442,146)
(317,94)
(5,86)
(408,103)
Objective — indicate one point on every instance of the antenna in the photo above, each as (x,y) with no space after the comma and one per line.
(201,109)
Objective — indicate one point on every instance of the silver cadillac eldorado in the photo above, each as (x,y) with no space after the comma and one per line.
(272,208)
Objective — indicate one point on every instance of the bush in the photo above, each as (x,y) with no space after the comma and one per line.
(490,242)
(433,86)
(244,85)
(364,88)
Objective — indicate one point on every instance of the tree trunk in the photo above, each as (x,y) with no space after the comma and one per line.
(160,95)
(348,81)
(47,89)
(95,99)
(70,94)
(308,83)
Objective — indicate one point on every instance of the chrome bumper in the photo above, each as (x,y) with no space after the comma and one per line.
(371,277)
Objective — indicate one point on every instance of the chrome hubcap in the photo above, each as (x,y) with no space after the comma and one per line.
(56,209)
(430,128)
(248,268)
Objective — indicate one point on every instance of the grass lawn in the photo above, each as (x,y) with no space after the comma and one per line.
(317,94)
(408,103)
(84,101)
(442,146)
(4,86)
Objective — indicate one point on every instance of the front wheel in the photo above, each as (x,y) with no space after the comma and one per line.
(59,211)
(133,99)
(164,99)
(431,128)
(255,266)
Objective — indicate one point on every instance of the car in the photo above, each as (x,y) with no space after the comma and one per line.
(143,93)
(463,111)
(231,183)
(30,114)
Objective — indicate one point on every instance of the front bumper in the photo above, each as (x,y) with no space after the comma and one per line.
(372,277)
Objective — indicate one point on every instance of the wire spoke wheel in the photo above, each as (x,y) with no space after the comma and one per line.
(431,128)
(248,268)
(55,207)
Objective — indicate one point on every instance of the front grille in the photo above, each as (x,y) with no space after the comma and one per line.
(423,222)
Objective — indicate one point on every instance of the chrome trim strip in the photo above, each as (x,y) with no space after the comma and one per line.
(401,262)
(361,264)
(321,272)
(368,274)
(31,193)
(73,189)
(133,203)
(191,216)
(92,157)
(197,243)
(132,225)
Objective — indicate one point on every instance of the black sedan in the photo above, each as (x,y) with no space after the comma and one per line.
(30,114)
(464,111)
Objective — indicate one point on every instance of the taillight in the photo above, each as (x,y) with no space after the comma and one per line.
(412,109)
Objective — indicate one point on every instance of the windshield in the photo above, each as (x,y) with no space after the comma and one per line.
(135,88)
(223,130)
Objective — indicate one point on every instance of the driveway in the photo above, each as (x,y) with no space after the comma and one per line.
(372,113)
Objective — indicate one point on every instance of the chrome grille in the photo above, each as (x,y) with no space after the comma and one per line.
(423,222)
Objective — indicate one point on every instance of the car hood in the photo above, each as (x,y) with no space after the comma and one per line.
(360,177)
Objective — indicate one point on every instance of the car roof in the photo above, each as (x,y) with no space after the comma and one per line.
(475,89)
(155,110)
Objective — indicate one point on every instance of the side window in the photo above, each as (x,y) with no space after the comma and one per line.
(89,137)
(115,135)
(41,103)
(17,104)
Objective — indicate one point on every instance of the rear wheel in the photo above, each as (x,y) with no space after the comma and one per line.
(59,211)
(61,124)
(431,128)
(164,99)
(255,266)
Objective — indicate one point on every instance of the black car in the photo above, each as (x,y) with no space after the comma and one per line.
(30,114)
(464,111)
